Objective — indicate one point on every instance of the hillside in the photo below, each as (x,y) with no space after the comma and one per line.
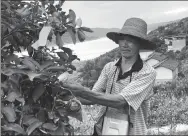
(101,32)
(174,28)
(154,26)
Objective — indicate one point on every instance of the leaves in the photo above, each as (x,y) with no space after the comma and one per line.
(43,35)
(49,126)
(60,130)
(72,34)
(59,41)
(67,50)
(12,96)
(79,22)
(29,119)
(38,91)
(46,64)
(11,71)
(81,35)
(33,126)
(42,115)
(57,68)
(28,63)
(9,114)
(72,16)
(23,11)
(86,29)
(72,67)
(14,127)
(12,57)
(73,57)
(27,87)
(63,55)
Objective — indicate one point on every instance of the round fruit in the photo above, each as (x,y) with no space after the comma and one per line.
(74,105)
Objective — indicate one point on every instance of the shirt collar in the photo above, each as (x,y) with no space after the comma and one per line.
(137,66)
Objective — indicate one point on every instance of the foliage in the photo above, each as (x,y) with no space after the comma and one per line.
(169,105)
(92,69)
(175,28)
(33,101)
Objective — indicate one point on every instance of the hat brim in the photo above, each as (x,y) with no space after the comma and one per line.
(144,43)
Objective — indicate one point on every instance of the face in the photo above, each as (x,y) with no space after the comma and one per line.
(129,46)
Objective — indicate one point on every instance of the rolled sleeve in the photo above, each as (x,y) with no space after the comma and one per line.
(136,92)
(100,85)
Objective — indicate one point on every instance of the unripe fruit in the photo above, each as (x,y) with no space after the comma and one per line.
(74,105)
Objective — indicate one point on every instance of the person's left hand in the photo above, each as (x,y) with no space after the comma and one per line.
(75,88)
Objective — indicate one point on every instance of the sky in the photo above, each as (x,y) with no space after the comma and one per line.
(112,14)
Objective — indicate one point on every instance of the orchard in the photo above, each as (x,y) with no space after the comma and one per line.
(37,105)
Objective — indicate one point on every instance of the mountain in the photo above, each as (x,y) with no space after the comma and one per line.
(154,26)
(101,32)
(174,28)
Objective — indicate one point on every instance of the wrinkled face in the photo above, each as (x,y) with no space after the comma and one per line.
(129,46)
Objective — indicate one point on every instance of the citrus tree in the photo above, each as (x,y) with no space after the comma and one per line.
(33,100)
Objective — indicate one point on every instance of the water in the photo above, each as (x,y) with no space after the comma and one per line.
(91,49)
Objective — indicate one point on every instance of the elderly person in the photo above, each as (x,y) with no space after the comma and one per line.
(125,84)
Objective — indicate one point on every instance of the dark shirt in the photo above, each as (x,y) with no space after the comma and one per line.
(137,66)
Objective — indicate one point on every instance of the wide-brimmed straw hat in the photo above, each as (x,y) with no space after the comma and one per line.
(134,27)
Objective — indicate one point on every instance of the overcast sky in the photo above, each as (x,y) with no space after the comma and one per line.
(109,14)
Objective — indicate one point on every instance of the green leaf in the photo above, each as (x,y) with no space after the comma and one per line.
(22,100)
(43,35)
(70,130)
(30,50)
(67,50)
(9,113)
(3,77)
(73,57)
(14,127)
(86,29)
(11,71)
(29,119)
(72,67)
(60,130)
(79,22)
(38,91)
(28,63)
(41,78)
(72,34)
(81,35)
(12,96)
(63,55)
(33,126)
(12,57)
(57,68)
(2,93)
(46,64)
(49,126)
(72,16)
(6,3)
(23,11)
(42,115)
(32,64)
(59,41)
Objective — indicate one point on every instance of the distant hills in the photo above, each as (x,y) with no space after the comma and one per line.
(101,32)
(154,26)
